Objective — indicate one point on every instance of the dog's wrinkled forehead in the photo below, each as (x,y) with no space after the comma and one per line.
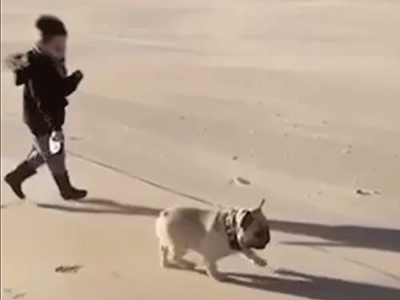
(245,216)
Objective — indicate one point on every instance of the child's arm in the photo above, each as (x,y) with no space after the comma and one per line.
(21,77)
(51,90)
(71,82)
(51,84)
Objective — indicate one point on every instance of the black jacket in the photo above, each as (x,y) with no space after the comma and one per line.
(45,90)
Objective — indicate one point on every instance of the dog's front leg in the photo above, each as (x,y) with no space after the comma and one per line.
(211,269)
(252,256)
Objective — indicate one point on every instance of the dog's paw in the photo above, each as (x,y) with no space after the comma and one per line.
(220,277)
(213,273)
(185,264)
(260,262)
(181,264)
(166,264)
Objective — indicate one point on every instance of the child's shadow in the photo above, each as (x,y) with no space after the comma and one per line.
(311,286)
(102,206)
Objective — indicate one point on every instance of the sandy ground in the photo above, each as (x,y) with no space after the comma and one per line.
(299,97)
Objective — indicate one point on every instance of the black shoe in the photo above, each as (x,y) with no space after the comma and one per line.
(67,191)
(16,177)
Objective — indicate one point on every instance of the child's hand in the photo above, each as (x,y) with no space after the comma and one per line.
(78,75)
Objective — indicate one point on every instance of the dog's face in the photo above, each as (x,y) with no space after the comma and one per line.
(252,228)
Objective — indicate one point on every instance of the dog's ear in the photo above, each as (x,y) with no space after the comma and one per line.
(247,219)
(260,206)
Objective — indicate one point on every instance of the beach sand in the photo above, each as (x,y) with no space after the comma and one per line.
(179,99)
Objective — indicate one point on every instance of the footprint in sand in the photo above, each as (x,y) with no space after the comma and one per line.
(348,150)
(242,181)
(18,296)
(68,269)
(8,294)
(366,193)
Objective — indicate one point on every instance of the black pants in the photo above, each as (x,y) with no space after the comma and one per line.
(41,154)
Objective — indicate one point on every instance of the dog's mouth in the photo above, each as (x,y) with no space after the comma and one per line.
(262,243)
(263,238)
(260,247)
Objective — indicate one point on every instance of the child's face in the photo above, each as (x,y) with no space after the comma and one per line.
(56,47)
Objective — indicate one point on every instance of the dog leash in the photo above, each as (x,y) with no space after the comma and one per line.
(141,179)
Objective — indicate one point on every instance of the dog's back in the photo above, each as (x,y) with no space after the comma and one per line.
(183,226)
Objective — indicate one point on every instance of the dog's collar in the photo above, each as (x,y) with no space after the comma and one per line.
(230,225)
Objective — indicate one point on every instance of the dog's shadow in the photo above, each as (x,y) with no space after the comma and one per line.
(308,286)
(102,206)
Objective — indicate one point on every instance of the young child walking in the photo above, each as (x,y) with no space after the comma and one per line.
(46,85)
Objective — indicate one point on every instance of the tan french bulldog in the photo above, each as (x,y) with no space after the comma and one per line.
(212,233)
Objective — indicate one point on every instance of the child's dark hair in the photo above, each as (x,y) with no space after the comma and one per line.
(49,27)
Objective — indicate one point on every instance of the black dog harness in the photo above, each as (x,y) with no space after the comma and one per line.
(230,225)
